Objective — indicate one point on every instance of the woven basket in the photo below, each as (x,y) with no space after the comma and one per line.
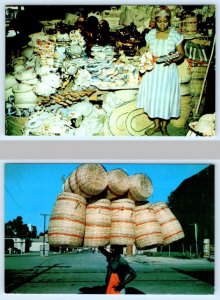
(196,86)
(170,226)
(122,222)
(140,187)
(189,25)
(186,106)
(147,228)
(195,101)
(118,184)
(184,89)
(88,180)
(66,187)
(98,223)
(67,221)
(184,71)
(198,72)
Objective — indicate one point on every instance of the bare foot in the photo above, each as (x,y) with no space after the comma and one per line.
(164,131)
(152,131)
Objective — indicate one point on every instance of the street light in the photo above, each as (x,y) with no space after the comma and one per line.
(196,235)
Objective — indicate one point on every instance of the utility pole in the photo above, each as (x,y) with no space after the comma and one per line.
(196,236)
(44,215)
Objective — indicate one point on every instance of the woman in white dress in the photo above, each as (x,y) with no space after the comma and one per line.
(159,93)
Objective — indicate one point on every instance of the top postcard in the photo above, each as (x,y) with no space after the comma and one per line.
(110,71)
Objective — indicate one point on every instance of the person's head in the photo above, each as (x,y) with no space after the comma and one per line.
(162,18)
(92,24)
(116,250)
(104,25)
(80,23)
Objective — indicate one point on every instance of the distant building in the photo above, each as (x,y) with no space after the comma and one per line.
(37,244)
(26,245)
(33,230)
(20,244)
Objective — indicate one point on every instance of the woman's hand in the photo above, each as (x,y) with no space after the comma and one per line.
(168,62)
(119,287)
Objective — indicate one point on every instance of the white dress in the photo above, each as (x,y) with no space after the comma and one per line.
(159,92)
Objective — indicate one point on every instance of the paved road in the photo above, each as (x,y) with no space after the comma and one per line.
(84,273)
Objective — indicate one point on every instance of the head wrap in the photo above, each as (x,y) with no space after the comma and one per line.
(162,11)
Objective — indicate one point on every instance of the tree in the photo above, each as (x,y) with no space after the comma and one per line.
(193,203)
(16,228)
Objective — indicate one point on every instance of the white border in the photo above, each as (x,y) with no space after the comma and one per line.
(149,297)
(104,138)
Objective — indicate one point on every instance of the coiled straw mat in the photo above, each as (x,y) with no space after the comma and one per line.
(122,222)
(147,228)
(98,223)
(127,120)
(67,221)
(170,226)
(118,184)
(137,122)
(140,187)
(88,180)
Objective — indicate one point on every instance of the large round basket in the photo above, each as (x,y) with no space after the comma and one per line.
(196,85)
(198,72)
(170,226)
(88,180)
(122,222)
(118,184)
(98,223)
(147,228)
(67,221)
(184,71)
(66,187)
(140,187)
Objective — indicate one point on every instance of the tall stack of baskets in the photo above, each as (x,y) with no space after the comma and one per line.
(186,105)
(97,208)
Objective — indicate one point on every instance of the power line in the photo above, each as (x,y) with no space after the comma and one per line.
(12,197)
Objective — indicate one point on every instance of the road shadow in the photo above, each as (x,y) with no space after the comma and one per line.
(14,280)
(102,290)
(205,276)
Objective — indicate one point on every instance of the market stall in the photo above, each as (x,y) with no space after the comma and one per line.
(58,86)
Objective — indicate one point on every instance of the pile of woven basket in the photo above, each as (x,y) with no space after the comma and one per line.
(97,208)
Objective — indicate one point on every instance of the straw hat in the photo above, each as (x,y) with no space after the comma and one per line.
(127,120)
(118,117)
(137,122)
(10,81)
(26,75)
(22,88)
(205,126)
(34,81)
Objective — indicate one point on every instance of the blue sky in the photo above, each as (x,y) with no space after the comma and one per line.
(32,188)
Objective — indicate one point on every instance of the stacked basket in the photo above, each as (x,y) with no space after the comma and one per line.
(98,208)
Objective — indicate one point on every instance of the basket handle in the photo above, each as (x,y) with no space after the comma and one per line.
(114,8)
(106,12)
